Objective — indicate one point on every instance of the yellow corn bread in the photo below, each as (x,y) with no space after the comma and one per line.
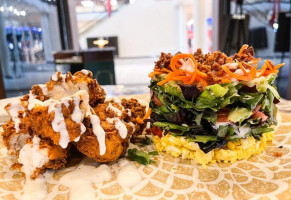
(233,151)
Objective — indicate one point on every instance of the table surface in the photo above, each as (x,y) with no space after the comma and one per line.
(259,177)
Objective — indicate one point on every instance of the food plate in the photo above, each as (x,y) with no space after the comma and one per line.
(261,177)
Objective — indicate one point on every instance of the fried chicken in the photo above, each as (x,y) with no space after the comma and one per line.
(118,120)
(67,110)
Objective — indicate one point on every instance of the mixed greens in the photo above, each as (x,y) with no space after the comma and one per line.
(216,115)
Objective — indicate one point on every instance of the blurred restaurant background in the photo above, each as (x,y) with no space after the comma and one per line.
(119,40)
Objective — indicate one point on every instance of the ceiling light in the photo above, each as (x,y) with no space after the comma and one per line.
(101,42)
(15,11)
(10,8)
(2,9)
(275,25)
(22,13)
(87,3)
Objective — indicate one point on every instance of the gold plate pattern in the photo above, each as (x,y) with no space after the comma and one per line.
(260,177)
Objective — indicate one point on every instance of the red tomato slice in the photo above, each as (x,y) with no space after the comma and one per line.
(157,101)
(157,131)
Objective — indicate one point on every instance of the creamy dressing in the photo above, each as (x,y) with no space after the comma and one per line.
(121,127)
(44,89)
(114,109)
(73,93)
(221,124)
(35,189)
(55,76)
(128,112)
(128,176)
(242,131)
(80,180)
(99,133)
(13,110)
(85,71)
(116,100)
(59,125)
(32,157)
(133,126)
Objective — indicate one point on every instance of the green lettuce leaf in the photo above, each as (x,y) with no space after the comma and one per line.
(239,114)
(202,138)
(251,99)
(170,126)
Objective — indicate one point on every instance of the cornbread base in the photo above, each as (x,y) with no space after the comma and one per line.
(242,149)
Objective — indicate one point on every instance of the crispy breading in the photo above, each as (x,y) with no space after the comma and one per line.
(115,144)
(63,108)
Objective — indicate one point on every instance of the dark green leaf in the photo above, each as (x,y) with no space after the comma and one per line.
(169,126)
(153,153)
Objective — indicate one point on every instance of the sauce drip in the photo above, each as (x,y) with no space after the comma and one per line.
(13,110)
(80,179)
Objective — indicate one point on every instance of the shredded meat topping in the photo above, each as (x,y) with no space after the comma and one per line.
(211,63)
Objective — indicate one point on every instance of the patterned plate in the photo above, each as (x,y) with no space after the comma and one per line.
(260,177)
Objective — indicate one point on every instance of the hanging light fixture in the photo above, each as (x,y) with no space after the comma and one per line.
(101,42)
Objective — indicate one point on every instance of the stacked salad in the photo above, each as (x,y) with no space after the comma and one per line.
(212,99)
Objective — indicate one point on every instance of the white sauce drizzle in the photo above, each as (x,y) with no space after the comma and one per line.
(75,93)
(80,180)
(55,76)
(44,89)
(133,126)
(99,133)
(121,127)
(32,157)
(13,110)
(128,112)
(116,100)
(114,109)
(85,71)
(59,125)
(242,131)
(221,124)
(128,176)
(35,189)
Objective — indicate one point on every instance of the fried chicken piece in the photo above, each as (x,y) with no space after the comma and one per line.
(56,110)
(68,109)
(17,129)
(118,120)
(37,155)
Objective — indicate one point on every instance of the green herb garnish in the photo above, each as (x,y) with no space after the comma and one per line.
(141,156)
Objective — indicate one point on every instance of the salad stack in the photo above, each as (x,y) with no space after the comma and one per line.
(211,102)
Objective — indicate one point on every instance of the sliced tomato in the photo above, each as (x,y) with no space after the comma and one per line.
(157,101)
(260,115)
(257,108)
(157,131)
(151,92)
(222,115)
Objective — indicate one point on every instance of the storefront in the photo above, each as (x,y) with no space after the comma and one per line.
(28,35)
